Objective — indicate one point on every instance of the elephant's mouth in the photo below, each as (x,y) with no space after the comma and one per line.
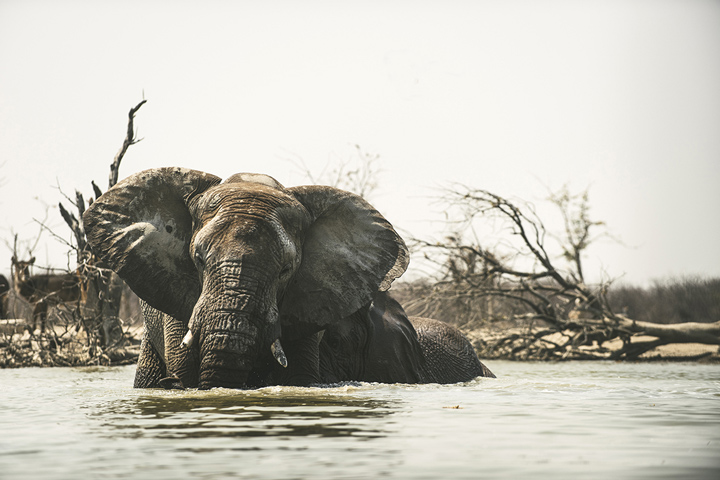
(276,348)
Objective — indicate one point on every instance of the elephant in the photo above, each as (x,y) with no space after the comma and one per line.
(239,277)
(380,343)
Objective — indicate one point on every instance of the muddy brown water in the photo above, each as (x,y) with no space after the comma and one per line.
(536,420)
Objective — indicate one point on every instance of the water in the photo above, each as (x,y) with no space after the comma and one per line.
(537,420)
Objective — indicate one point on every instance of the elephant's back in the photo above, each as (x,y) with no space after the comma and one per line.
(449,355)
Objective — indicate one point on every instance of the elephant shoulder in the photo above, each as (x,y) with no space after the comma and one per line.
(440,340)
(442,333)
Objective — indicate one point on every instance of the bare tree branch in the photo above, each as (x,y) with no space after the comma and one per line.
(357,174)
(518,284)
(129,140)
(96,189)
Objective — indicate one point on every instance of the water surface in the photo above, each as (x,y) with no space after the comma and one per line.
(536,420)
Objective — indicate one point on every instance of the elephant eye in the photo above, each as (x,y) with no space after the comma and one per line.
(285,272)
(199,260)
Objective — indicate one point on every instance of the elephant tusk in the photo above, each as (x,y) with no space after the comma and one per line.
(278,353)
(188,339)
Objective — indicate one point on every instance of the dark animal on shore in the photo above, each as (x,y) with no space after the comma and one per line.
(4,288)
(381,344)
(44,291)
(228,270)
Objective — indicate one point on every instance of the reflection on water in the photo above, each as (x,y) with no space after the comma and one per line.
(227,413)
(536,420)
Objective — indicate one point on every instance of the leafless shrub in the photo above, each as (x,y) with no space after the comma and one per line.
(541,311)
(357,173)
(85,329)
(679,300)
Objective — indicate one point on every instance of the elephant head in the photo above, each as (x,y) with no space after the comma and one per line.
(238,265)
(376,344)
(380,343)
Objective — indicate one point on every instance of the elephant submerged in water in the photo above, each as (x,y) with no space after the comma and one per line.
(381,344)
(240,278)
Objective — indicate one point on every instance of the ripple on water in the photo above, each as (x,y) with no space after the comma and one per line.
(539,420)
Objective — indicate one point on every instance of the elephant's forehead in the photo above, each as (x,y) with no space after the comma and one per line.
(247,196)
(239,210)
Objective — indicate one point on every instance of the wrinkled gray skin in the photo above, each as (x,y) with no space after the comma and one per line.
(240,277)
(380,343)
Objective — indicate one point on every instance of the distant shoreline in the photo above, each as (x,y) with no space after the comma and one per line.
(23,351)
(673,352)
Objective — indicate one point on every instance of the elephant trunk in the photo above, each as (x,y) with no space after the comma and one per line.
(227,356)
(231,344)
(237,324)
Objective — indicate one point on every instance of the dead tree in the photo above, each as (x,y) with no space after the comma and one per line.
(101,288)
(546,312)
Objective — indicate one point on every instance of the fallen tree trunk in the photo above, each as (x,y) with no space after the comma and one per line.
(592,339)
(691,332)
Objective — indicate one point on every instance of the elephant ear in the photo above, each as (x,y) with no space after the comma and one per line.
(394,353)
(350,253)
(142,229)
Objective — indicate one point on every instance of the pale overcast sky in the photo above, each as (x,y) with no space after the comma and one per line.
(516,97)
